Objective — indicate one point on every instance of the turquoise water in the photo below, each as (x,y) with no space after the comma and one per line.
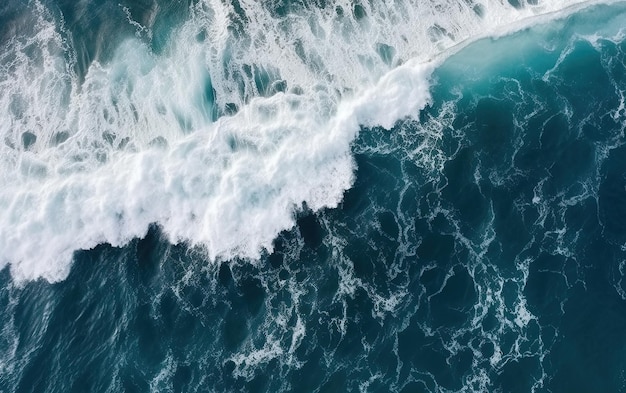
(480,247)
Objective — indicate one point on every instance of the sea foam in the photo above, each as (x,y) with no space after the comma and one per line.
(244,117)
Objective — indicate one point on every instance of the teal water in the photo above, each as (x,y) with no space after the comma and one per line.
(482,247)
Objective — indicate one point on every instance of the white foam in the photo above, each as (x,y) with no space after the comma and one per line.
(138,141)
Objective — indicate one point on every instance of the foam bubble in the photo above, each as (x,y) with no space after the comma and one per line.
(246,114)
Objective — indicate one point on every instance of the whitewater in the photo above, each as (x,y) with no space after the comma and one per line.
(220,136)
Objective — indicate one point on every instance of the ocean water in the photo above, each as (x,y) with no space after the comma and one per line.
(312,196)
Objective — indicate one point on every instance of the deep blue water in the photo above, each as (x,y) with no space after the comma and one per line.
(482,247)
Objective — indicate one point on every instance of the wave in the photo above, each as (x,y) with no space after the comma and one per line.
(246,116)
